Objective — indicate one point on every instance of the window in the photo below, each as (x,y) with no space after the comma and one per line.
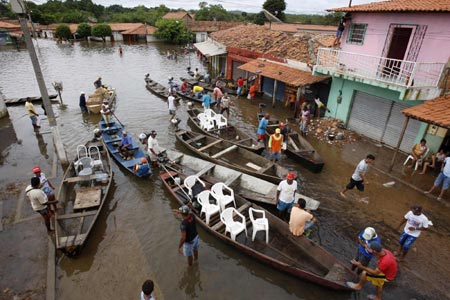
(356,34)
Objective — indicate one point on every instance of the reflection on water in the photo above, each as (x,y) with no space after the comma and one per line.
(190,281)
(41,144)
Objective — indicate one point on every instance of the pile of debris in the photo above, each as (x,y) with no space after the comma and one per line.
(331,130)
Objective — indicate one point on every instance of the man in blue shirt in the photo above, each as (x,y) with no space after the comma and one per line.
(364,256)
(126,146)
(206,100)
(262,127)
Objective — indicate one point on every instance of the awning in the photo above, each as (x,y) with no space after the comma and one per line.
(209,48)
(281,72)
(434,111)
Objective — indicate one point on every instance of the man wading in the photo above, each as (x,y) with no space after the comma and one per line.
(188,245)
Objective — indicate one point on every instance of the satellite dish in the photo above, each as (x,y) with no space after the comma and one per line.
(271,17)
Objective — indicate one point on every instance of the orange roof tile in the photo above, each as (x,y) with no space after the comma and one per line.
(211,26)
(143,29)
(8,25)
(296,27)
(124,26)
(176,15)
(281,72)
(400,6)
(263,40)
(434,111)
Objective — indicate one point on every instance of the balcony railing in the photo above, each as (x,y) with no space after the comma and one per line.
(406,74)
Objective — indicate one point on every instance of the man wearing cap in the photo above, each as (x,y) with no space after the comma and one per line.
(126,146)
(300,220)
(106,112)
(83,103)
(46,186)
(386,270)
(142,168)
(189,241)
(29,107)
(416,222)
(39,201)
(286,195)
(363,255)
(275,144)
(153,147)
(358,178)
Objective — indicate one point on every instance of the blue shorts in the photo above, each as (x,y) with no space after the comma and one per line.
(48,191)
(444,180)
(283,206)
(33,120)
(406,241)
(276,155)
(189,248)
(239,90)
(339,34)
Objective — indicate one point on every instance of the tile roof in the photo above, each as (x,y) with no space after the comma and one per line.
(211,26)
(434,111)
(124,26)
(281,72)
(142,30)
(272,43)
(296,27)
(9,25)
(400,6)
(176,15)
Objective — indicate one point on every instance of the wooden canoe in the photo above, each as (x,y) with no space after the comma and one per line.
(247,186)
(209,87)
(229,133)
(18,101)
(298,147)
(94,101)
(298,256)
(188,95)
(158,89)
(112,138)
(232,156)
(81,199)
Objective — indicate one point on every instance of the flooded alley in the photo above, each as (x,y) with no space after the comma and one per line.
(137,234)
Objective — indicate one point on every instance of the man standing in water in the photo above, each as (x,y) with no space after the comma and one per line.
(29,107)
(172,106)
(83,103)
(262,127)
(189,240)
(39,201)
(358,178)
(415,223)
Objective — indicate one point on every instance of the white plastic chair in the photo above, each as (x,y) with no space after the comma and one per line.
(202,118)
(210,113)
(222,199)
(232,226)
(207,208)
(259,224)
(86,164)
(81,152)
(221,121)
(94,153)
(419,161)
(189,182)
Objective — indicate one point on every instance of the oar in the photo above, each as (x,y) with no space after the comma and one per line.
(117,119)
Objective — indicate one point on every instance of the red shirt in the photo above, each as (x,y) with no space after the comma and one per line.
(388,265)
(240,82)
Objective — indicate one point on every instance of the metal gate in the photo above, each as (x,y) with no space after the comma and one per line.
(267,88)
(237,72)
(380,119)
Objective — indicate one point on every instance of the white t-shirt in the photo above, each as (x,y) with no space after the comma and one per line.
(287,191)
(171,101)
(153,144)
(420,221)
(360,168)
(38,198)
(446,170)
(44,181)
(143,298)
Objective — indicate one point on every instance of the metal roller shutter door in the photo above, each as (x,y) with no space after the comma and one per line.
(369,115)
(395,125)
(237,72)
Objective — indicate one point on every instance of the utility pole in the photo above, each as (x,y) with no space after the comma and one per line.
(18,6)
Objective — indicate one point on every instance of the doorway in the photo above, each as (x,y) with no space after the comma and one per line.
(397,50)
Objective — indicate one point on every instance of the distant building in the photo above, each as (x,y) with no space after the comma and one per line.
(180,15)
(201,29)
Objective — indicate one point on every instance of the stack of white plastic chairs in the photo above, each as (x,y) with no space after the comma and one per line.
(209,120)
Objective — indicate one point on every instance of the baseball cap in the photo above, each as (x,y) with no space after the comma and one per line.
(278,130)
(36,169)
(143,160)
(184,209)
(142,136)
(82,93)
(290,175)
(369,233)
(281,124)
(375,246)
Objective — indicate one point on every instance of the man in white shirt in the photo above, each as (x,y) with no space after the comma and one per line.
(147,290)
(358,178)
(444,178)
(39,201)
(286,195)
(153,147)
(172,107)
(415,223)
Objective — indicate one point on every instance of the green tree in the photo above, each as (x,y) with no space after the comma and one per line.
(84,30)
(172,31)
(259,18)
(212,13)
(63,32)
(101,30)
(276,8)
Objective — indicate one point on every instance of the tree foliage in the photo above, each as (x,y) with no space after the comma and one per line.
(63,32)
(101,30)
(276,8)
(328,19)
(212,13)
(172,31)
(84,30)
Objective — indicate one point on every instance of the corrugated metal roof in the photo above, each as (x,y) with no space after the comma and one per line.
(209,48)
(436,111)
(399,6)
(281,72)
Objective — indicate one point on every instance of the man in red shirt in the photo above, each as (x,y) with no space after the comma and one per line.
(240,84)
(385,271)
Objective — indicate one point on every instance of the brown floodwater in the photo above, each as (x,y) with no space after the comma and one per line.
(137,234)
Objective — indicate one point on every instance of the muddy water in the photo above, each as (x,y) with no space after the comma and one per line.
(137,234)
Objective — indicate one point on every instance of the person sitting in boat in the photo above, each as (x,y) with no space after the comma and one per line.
(198,91)
(300,220)
(196,73)
(106,112)
(126,146)
(97,135)
(184,87)
(147,77)
(98,83)
(143,138)
(142,167)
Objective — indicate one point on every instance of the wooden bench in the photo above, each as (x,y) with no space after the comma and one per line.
(205,170)
(77,215)
(87,197)
(113,140)
(79,179)
(72,240)
(209,145)
(265,168)
(225,151)
(194,139)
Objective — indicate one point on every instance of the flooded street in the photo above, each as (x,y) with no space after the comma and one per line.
(137,234)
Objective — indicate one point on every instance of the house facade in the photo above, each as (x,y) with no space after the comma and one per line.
(393,55)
